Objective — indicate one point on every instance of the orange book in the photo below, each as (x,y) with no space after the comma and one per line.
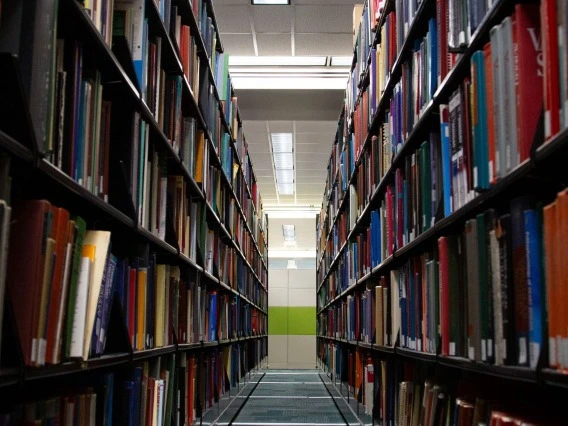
(490,117)
(562,290)
(141,311)
(60,233)
(550,254)
(358,374)
(199,153)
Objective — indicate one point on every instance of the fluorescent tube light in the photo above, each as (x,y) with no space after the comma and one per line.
(281,142)
(285,188)
(273,2)
(255,61)
(288,83)
(285,176)
(289,232)
(292,264)
(341,61)
(299,254)
(283,160)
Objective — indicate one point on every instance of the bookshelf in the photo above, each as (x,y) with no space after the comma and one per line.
(397,306)
(149,151)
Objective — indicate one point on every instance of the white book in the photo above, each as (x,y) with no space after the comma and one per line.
(101,241)
(499,91)
(510,100)
(395,307)
(80,311)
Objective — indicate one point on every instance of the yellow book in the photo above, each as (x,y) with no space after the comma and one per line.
(101,241)
(199,153)
(141,311)
(160,305)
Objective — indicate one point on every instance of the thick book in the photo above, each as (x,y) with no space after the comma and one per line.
(533,238)
(528,75)
(27,237)
(521,292)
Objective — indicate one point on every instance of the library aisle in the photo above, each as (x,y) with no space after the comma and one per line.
(287,397)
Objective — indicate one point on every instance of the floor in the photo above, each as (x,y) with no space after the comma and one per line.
(288,397)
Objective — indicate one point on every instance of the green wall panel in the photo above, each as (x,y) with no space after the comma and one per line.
(292,320)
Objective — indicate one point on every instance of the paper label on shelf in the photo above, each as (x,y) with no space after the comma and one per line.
(452,349)
(41,351)
(34,350)
(534,354)
(552,359)
(522,350)
(470,352)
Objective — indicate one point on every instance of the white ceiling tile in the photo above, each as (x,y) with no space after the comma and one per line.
(318,19)
(311,173)
(232,19)
(312,148)
(281,126)
(238,44)
(322,2)
(326,127)
(274,44)
(259,147)
(324,44)
(273,19)
(254,126)
(217,3)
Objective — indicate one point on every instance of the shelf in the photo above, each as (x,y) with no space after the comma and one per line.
(554,378)
(421,356)
(62,182)
(54,371)
(517,373)
(151,353)
(15,148)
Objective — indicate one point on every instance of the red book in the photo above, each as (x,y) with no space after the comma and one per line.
(528,74)
(442,22)
(390,239)
(150,400)
(444,295)
(60,233)
(132,305)
(551,77)
(28,232)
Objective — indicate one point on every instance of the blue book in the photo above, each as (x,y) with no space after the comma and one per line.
(533,237)
(446,168)
(107,290)
(212,317)
(433,57)
(129,404)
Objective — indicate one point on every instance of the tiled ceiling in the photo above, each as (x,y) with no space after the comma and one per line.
(306,27)
(312,146)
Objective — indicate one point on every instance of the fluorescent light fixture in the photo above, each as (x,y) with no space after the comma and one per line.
(292,264)
(281,2)
(280,71)
(298,61)
(290,83)
(289,232)
(285,188)
(283,160)
(341,61)
(298,254)
(281,142)
(285,176)
(282,212)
